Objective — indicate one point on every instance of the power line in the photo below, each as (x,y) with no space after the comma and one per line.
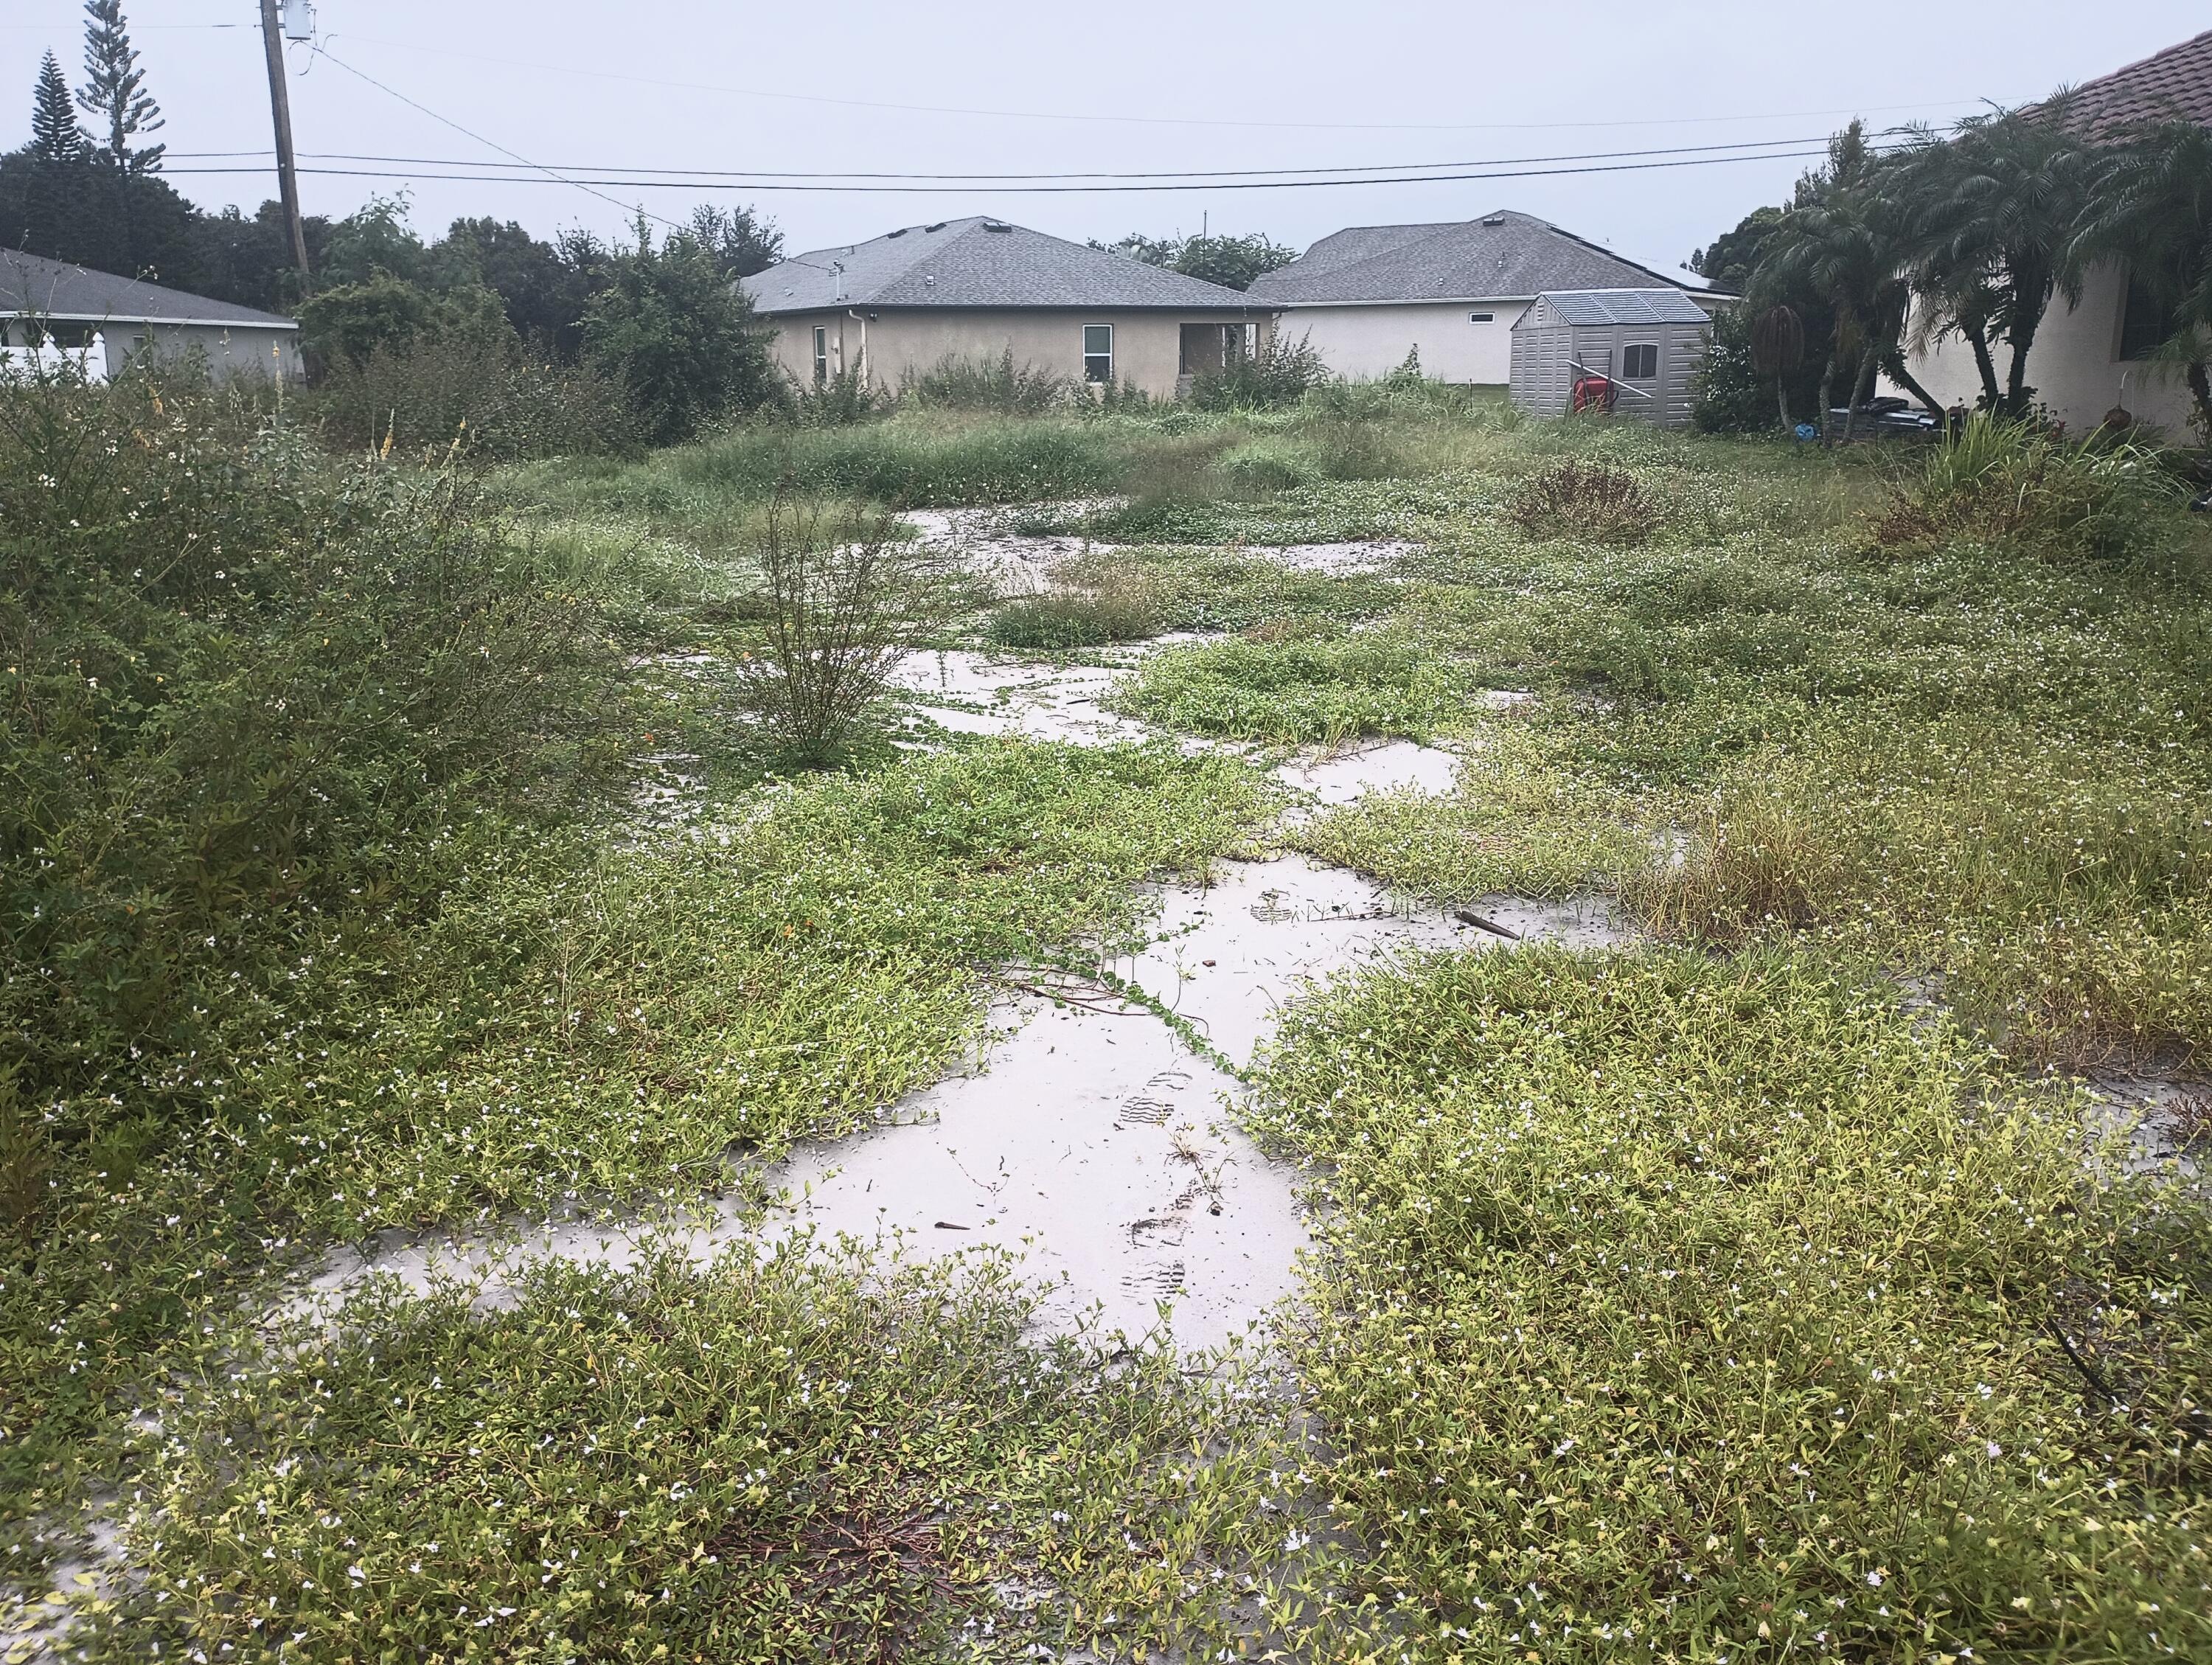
(1146,121)
(550,177)
(324,53)
(745,176)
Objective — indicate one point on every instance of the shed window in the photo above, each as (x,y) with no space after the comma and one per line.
(2146,322)
(1098,352)
(1640,360)
(1482,318)
(821,354)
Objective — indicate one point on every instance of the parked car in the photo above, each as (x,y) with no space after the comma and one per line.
(1887,415)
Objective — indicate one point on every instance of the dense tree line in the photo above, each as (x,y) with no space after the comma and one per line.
(657,315)
(1975,233)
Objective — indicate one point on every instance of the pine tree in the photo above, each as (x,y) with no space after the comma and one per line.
(55,136)
(116,91)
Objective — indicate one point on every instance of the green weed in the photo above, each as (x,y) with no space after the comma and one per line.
(780,1458)
(1289,689)
(1677,1308)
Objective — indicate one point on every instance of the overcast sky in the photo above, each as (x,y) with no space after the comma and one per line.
(1138,85)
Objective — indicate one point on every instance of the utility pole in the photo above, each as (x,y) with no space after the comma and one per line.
(280,107)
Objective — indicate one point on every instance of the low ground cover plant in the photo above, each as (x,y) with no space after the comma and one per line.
(807,1455)
(575,1027)
(1683,1309)
(1295,686)
(323,781)
(1515,822)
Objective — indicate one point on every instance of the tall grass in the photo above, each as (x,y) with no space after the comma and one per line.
(2019,488)
(998,385)
(488,398)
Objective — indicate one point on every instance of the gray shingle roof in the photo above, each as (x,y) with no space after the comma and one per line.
(1497,256)
(54,289)
(977,263)
(1624,306)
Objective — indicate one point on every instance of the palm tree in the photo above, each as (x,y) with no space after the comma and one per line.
(1847,248)
(2154,212)
(1996,210)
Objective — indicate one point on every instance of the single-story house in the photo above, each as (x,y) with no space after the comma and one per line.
(1639,348)
(1366,297)
(976,290)
(63,305)
(2090,356)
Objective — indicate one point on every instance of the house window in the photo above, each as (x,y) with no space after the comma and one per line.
(821,354)
(1482,318)
(1098,352)
(2146,322)
(1640,360)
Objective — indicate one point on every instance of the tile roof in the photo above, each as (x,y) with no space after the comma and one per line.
(55,289)
(1595,307)
(2174,85)
(1497,256)
(977,263)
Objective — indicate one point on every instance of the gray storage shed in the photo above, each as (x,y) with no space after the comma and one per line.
(1647,344)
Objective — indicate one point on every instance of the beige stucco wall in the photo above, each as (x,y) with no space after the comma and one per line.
(1147,344)
(2075,366)
(1365,341)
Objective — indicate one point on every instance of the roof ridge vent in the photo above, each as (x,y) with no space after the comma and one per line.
(901,231)
(1493,218)
(939,226)
(996,225)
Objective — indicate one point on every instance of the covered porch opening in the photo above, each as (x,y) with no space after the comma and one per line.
(1214,347)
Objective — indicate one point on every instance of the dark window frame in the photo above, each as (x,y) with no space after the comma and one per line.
(2146,321)
(1628,360)
(821,354)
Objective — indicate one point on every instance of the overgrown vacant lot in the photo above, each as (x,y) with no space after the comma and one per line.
(1762,1290)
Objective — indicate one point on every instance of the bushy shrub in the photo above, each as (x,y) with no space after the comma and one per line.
(678,336)
(489,397)
(2014,486)
(1587,501)
(845,600)
(352,323)
(1278,375)
(1728,394)
(999,385)
(239,679)
(844,400)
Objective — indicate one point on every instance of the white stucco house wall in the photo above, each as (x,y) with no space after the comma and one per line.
(1365,297)
(65,305)
(2091,357)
